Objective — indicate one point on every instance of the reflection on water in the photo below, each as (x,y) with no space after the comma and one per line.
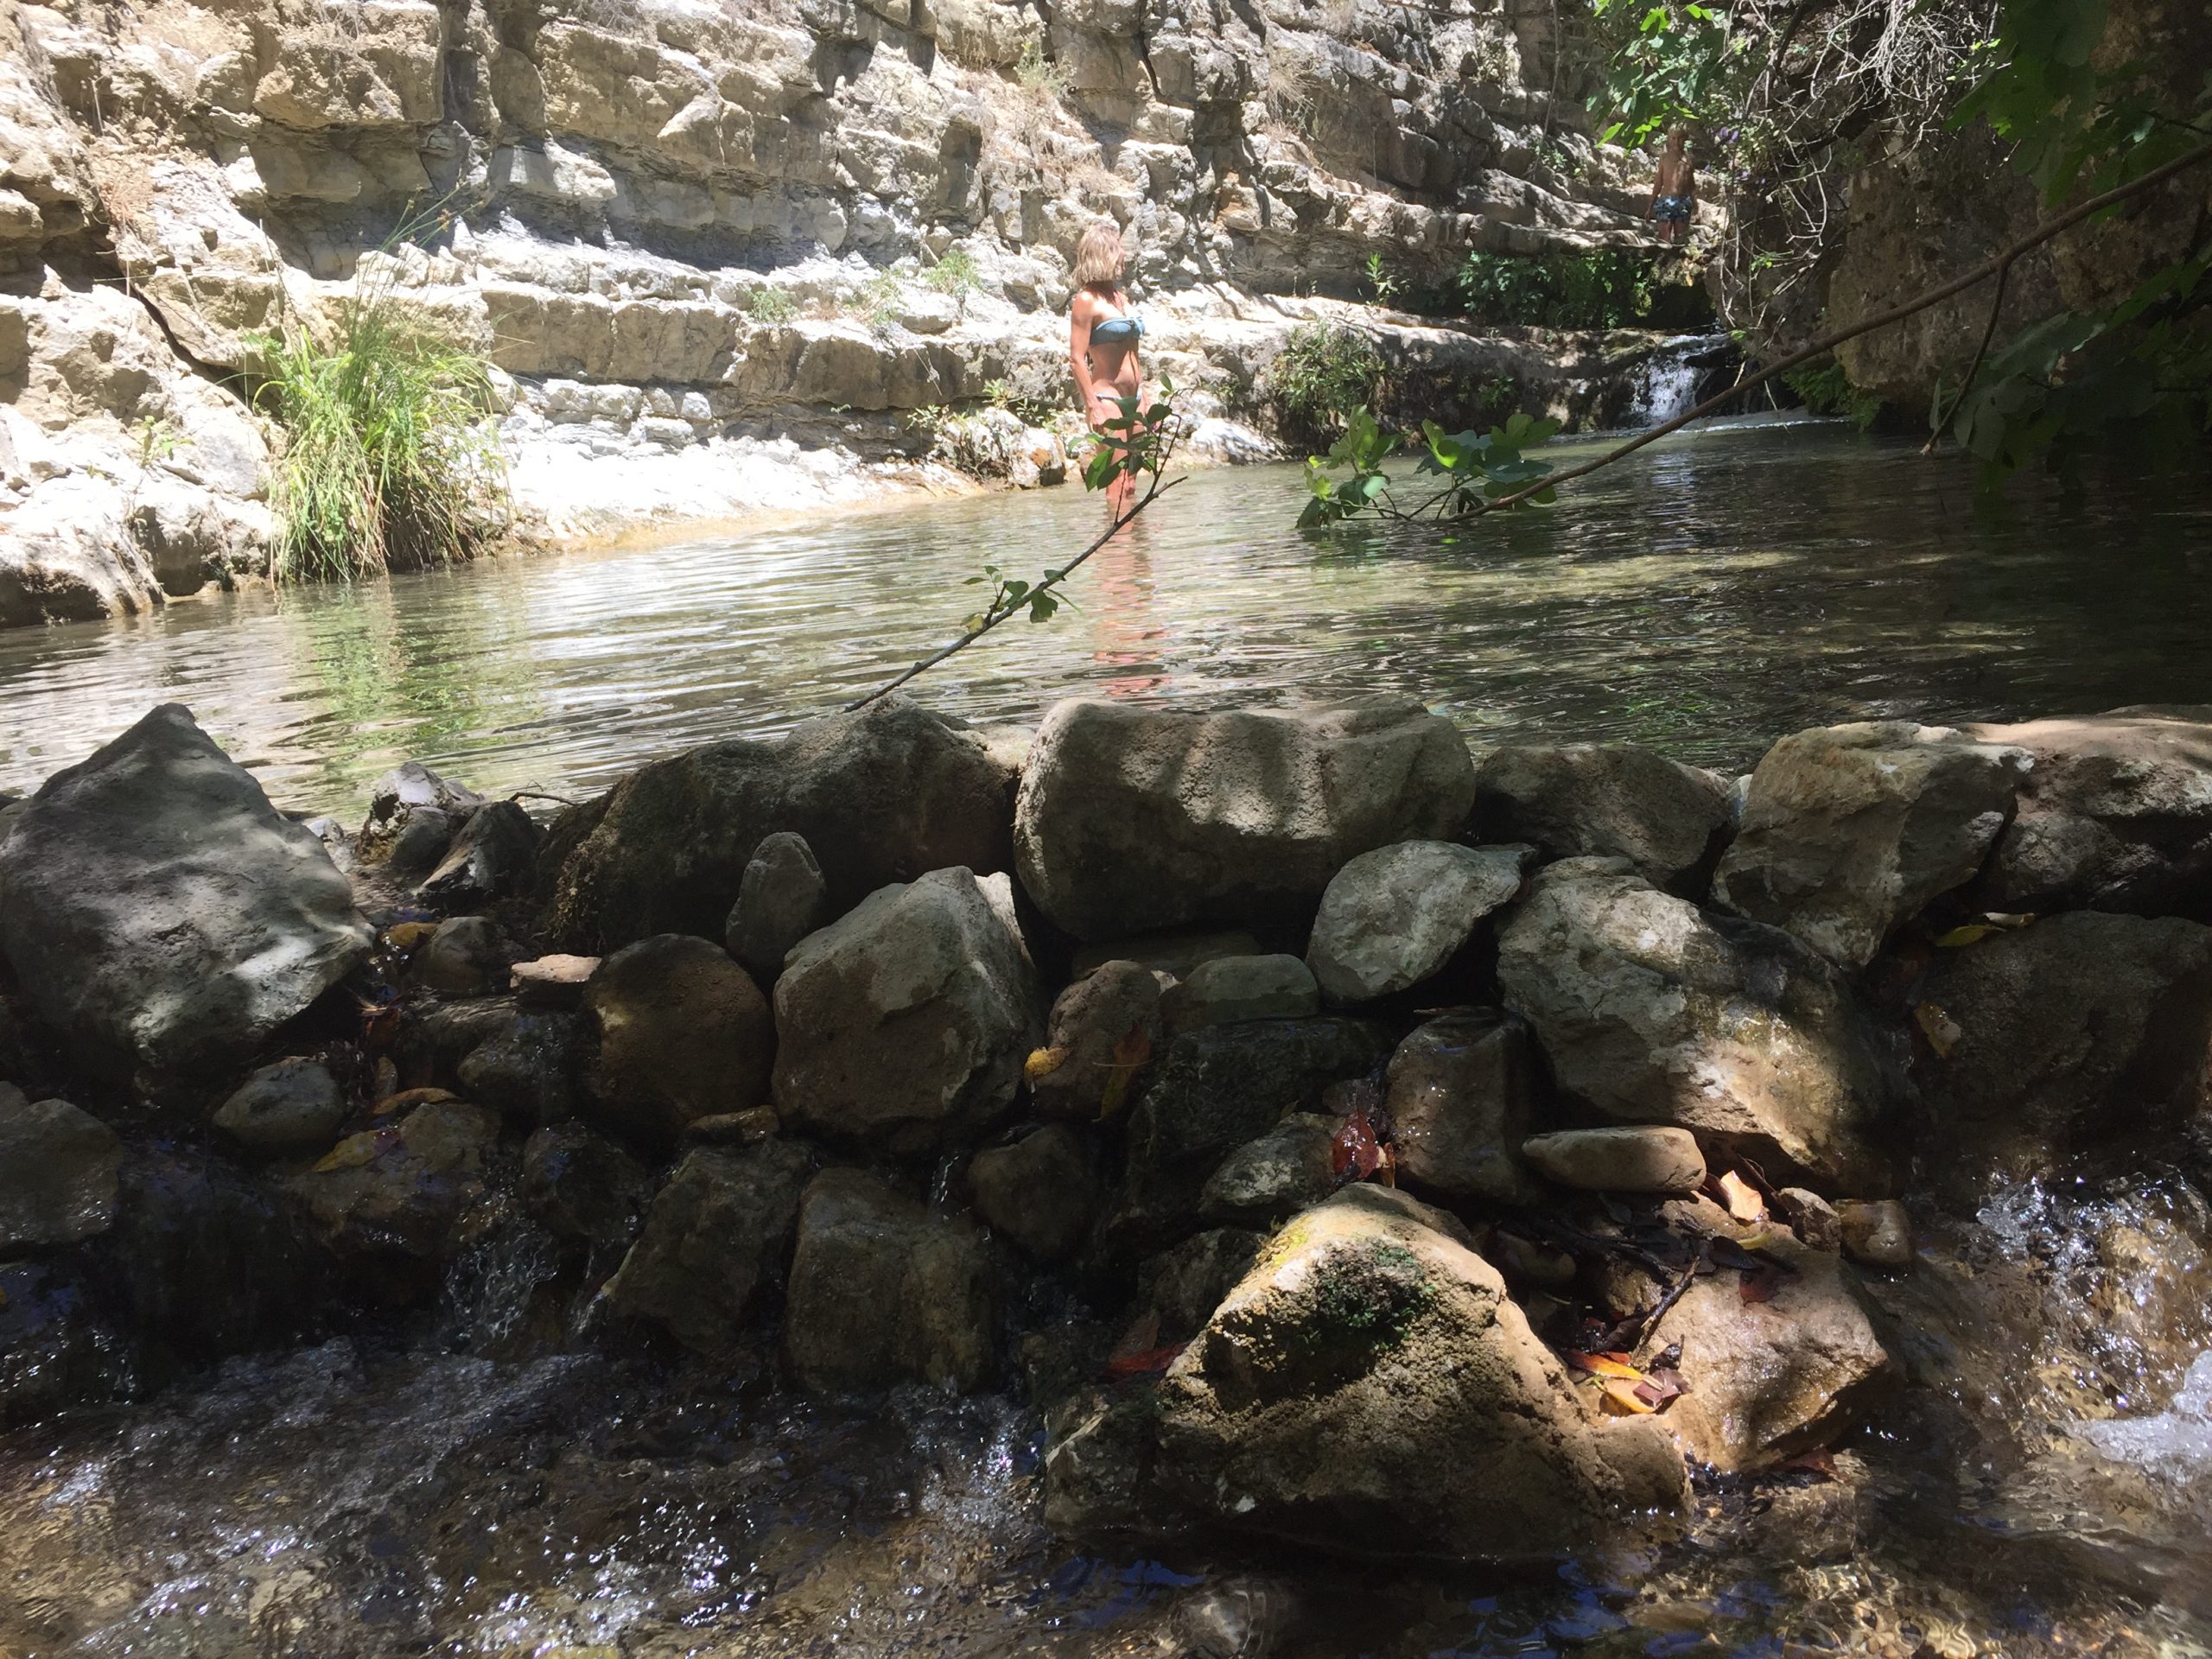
(1708,595)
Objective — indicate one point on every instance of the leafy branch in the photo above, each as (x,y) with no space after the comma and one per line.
(1478,469)
(1136,443)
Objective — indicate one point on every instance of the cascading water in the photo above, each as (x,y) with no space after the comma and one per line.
(1666,383)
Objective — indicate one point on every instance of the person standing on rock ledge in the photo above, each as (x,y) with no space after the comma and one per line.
(1673,190)
(1103,331)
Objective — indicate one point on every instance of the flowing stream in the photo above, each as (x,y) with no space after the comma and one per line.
(500,1486)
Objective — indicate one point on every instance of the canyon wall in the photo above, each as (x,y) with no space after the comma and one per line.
(598,194)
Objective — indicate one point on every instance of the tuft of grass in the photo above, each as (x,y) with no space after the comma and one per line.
(1042,77)
(772,306)
(390,459)
(1829,391)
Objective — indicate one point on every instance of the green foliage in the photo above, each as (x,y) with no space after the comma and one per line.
(2140,366)
(770,306)
(1828,391)
(1009,594)
(1382,284)
(1325,371)
(1478,470)
(879,299)
(956,274)
(1001,394)
(1039,75)
(1668,63)
(1135,441)
(390,458)
(1609,287)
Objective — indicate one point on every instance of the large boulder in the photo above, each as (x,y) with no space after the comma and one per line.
(1391,917)
(58,1172)
(1131,818)
(2115,814)
(2081,1028)
(904,1024)
(882,1290)
(1849,831)
(1463,1090)
(1369,1388)
(1231,989)
(884,795)
(713,1240)
(161,915)
(1214,1090)
(676,1031)
(1654,1011)
(1775,1376)
(1605,800)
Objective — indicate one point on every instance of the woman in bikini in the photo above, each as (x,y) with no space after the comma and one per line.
(1102,336)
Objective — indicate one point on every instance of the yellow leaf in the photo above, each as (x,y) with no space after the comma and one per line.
(355,1150)
(1757,1239)
(1743,1200)
(1604,1365)
(405,936)
(1043,1062)
(1959,937)
(1620,1399)
(1942,1032)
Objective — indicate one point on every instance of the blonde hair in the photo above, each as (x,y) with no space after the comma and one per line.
(1099,256)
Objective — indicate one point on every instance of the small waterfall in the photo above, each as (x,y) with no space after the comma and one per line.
(1667,382)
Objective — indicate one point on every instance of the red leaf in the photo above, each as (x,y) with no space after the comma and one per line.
(1151,1362)
(1760,1285)
(1819,1461)
(1355,1153)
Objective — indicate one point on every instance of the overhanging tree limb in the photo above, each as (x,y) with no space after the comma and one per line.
(1981,273)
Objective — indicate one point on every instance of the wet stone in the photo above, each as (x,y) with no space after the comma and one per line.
(577,1184)
(58,1169)
(1040,1191)
(713,1241)
(288,1110)
(1275,1176)
(1877,1233)
(491,856)
(467,956)
(523,1070)
(1462,1093)
(1102,1030)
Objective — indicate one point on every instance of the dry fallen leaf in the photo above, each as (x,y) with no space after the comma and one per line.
(1760,1287)
(1614,1366)
(1959,937)
(405,936)
(1942,1032)
(355,1150)
(1355,1152)
(1129,1055)
(1619,1397)
(408,1097)
(1150,1363)
(1743,1202)
(1043,1062)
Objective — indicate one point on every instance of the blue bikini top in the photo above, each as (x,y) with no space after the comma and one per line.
(1117,331)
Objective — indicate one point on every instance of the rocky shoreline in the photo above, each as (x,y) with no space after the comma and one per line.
(1339,1137)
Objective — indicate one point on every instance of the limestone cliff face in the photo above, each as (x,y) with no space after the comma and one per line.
(617,180)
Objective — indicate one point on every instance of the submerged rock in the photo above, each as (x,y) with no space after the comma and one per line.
(160,915)
(284,1110)
(1133,819)
(1040,1191)
(676,1031)
(1876,1232)
(904,1025)
(884,795)
(882,1290)
(713,1240)
(781,899)
(1849,831)
(2115,814)
(1463,1089)
(2081,1028)
(58,1172)
(1370,1389)
(1102,1029)
(1393,917)
(1606,800)
(1651,1010)
(1769,1378)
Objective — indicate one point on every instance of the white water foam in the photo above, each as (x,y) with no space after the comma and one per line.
(2176,1443)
